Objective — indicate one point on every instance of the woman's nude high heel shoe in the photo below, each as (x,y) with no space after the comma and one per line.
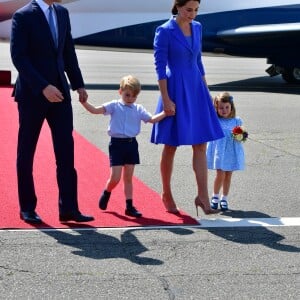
(206,209)
(170,205)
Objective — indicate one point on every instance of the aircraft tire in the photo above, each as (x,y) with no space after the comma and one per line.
(291,75)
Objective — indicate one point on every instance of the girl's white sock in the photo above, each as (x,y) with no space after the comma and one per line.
(215,198)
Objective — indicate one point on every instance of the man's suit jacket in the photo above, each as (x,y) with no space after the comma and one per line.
(37,60)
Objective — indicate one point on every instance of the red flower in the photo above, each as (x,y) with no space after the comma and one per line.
(237,130)
(239,133)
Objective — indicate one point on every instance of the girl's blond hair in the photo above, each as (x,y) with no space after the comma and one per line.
(225,97)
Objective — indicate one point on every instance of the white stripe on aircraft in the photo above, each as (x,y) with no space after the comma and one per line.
(213,6)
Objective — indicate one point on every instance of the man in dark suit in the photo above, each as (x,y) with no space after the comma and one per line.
(42,51)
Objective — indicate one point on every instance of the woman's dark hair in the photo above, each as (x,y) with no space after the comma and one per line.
(179,3)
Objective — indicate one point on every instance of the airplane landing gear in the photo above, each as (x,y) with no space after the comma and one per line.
(291,75)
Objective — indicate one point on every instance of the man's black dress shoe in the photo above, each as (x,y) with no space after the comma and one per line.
(30,217)
(76,216)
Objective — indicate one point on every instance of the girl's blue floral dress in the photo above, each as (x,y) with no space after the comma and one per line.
(226,153)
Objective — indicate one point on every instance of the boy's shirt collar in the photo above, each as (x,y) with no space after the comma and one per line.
(126,104)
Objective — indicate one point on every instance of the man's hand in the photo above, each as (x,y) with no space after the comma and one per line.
(83,95)
(53,94)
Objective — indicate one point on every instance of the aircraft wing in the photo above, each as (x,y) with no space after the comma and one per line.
(266,35)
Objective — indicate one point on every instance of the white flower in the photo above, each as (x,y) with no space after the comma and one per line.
(239,137)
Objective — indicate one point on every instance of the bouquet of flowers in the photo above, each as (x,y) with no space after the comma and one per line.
(239,133)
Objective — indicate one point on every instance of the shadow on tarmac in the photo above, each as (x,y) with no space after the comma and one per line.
(252,235)
(258,84)
(97,245)
(94,244)
(255,84)
(145,221)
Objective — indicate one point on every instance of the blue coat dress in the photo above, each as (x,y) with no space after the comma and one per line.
(178,60)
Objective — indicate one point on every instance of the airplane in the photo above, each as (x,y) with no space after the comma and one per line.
(264,29)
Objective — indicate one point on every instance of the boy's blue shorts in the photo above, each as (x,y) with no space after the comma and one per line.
(123,151)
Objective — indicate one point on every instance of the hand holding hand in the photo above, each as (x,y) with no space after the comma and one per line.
(83,95)
(169,107)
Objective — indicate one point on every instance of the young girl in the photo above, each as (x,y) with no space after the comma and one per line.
(125,124)
(226,154)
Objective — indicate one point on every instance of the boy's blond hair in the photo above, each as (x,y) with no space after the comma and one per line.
(132,83)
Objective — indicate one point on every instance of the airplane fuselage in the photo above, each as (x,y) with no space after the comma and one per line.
(255,28)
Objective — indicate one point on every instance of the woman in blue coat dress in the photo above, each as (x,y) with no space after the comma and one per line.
(185,97)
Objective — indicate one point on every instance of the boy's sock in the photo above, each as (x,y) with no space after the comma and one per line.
(128,203)
(104,200)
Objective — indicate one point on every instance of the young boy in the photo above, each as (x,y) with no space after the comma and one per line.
(124,126)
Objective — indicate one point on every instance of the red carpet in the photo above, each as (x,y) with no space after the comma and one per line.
(93,170)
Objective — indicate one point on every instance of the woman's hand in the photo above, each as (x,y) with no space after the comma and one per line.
(169,107)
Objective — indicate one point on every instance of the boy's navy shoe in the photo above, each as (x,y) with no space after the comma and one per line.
(132,212)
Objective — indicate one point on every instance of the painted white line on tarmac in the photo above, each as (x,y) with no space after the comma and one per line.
(251,222)
(204,223)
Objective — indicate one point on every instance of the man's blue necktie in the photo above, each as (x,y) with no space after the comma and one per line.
(52,25)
